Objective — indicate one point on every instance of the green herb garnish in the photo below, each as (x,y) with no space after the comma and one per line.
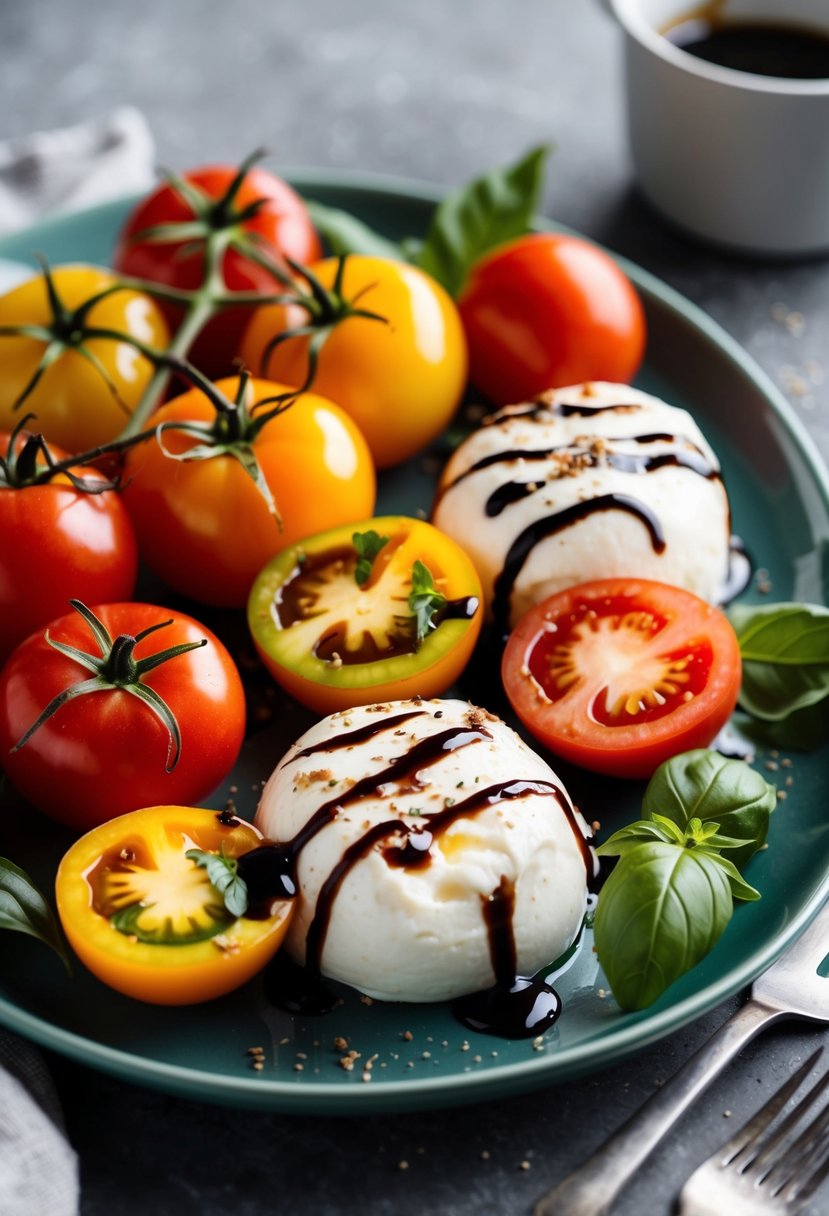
(785,688)
(368,545)
(222,872)
(24,910)
(672,892)
(424,599)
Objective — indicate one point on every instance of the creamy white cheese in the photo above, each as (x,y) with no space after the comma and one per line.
(418,932)
(636,479)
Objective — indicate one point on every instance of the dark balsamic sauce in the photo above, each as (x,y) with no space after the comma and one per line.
(361,734)
(516,1006)
(765,48)
(549,525)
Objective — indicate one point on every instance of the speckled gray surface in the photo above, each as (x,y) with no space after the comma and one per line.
(436,91)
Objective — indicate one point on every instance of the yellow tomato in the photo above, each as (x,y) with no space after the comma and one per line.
(400,379)
(204,525)
(79,401)
(146,919)
(336,632)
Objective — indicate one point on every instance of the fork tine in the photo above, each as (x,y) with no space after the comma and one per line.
(808,1185)
(774,1156)
(748,1136)
(808,1155)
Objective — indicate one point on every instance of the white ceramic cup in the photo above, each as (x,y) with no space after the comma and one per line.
(735,158)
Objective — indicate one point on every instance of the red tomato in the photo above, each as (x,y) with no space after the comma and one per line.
(620,674)
(548,310)
(59,543)
(106,752)
(282,226)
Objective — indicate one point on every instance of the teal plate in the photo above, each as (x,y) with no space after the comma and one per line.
(420,1056)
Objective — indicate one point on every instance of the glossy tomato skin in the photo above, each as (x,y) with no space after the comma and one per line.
(548,310)
(282,223)
(205,528)
(619,675)
(105,753)
(73,404)
(174,974)
(59,543)
(400,379)
(328,684)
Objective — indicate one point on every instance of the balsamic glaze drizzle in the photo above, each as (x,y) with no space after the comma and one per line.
(549,525)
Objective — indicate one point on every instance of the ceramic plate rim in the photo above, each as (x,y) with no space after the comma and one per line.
(514,1077)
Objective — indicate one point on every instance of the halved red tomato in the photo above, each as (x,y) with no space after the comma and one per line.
(383,610)
(620,674)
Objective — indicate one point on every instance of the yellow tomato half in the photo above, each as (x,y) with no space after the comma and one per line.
(333,640)
(74,401)
(145,918)
(400,379)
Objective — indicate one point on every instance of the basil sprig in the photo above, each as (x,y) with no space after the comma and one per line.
(222,873)
(785,686)
(468,223)
(367,546)
(672,892)
(424,599)
(24,910)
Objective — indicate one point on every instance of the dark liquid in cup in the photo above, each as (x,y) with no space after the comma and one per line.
(764,48)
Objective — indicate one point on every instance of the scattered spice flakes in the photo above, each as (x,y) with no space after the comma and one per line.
(407,1035)
(538,1043)
(525,1165)
(299,1067)
(340,1044)
(366,1000)
(485,1154)
(402,1165)
(782,795)
(726,1114)
(464,1046)
(771,766)
(258,1065)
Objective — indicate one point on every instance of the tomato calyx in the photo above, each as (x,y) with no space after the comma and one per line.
(30,462)
(232,432)
(214,217)
(69,329)
(117,668)
(326,308)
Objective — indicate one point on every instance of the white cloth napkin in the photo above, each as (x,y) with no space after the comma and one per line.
(75,167)
(38,1168)
(41,174)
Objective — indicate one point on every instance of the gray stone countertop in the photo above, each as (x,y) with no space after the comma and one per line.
(434,91)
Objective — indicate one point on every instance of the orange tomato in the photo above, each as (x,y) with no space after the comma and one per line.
(145,918)
(205,527)
(400,379)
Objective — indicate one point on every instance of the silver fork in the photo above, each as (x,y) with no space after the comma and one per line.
(763,1170)
(790,988)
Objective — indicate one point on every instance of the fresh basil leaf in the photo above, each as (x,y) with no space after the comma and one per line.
(24,910)
(424,599)
(703,784)
(785,652)
(344,233)
(367,546)
(480,216)
(659,913)
(634,834)
(740,889)
(222,873)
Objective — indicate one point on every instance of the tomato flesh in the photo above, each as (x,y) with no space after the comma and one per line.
(333,643)
(618,676)
(145,918)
